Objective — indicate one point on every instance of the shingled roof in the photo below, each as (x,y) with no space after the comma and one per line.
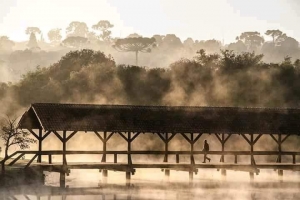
(88,117)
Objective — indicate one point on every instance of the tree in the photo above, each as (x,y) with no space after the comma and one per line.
(276,35)
(6,44)
(92,37)
(104,27)
(32,44)
(133,35)
(11,136)
(189,42)
(172,41)
(77,29)
(33,30)
(289,46)
(54,35)
(252,40)
(136,45)
(75,41)
(159,39)
(238,46)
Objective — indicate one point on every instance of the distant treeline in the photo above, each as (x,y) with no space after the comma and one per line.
(21,57)
(224,79)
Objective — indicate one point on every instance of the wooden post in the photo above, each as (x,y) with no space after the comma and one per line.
(104,172)
(223,171)
(115,158)
(294,159)
(62,182)
(235,159)
(129,139)
(191,176)
(128,177)
(252,149)
(166,139)
(252,142)
(280,172)
(192,141)
(50,158)
(223,148)
(192,160)
(279,142)
(104,176)
(40,139)
(167,171)
(129,161)
(251,176)
(64,147)
(223,140)
(177,158)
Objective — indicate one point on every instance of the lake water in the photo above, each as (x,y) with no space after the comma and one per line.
(151,184)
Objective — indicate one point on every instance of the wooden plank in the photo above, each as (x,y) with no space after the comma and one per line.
(161,137)
(16,159)
(272,136)
(59,152)
(109,136)
(246,138)
(216,134)
(171,137)
(286,137)
(135,136)
(197,138)
(123,136)
(257,138)
(58,136)
(46,135)
(32,159)
(99,136)
(71,135)
(186,137)
(33,133)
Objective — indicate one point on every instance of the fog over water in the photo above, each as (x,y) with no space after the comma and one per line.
(151,184)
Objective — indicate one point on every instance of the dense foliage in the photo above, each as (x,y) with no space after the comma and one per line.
(225,79)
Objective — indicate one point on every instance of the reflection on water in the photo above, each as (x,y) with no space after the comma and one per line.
(146,186)
(149,192)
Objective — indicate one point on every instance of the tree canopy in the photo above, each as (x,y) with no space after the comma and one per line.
(79,29)
(138,44)
(54,35)
(104,26)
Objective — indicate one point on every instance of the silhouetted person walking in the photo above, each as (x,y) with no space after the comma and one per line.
(205,150)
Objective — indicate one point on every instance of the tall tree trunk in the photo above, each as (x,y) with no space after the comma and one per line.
(6,152)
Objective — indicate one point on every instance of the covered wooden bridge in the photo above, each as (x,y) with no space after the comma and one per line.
(65,120)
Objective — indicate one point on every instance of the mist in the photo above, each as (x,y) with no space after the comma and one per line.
(163,54)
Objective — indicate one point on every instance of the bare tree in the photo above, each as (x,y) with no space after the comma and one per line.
(11,136)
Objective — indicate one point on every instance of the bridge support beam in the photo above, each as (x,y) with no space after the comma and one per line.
(279,142)
(129,139)
(192,140)
(252,141)
(62,179)
(104,140)
(166,138)
(40,139)
(223,140)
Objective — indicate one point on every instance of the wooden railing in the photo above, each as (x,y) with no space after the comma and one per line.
(35,154)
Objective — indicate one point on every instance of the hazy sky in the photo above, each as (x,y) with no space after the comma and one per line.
(199,19)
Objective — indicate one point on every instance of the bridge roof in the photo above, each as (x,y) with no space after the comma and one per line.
(88,117)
